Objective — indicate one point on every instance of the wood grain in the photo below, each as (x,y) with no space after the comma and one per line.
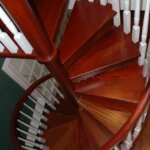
(104,54)
(125,83)
(51,13)
(82,27)
(113,120)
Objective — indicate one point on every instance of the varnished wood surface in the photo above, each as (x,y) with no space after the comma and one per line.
(112,119)
(83,24)
(80,140)
(143,141)
(110,103)
(98,133)
(65,142)
(51,12)
(58,134)
(125,83)
(56,119)
(71,110)
(114,48)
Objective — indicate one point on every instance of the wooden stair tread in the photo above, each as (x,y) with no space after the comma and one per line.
(83,25)
(110,103)
(51,12)
(97,131)
(106,52)
(52,135)
(111,119)
(125,83)
(80,141)
(71,110)
(142,143)
(65,142)
(55,119)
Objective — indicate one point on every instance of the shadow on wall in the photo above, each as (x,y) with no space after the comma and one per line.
(9,95)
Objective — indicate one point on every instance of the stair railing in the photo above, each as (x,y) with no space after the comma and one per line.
(125,137)
(44,50)
(136,26)
(30,116)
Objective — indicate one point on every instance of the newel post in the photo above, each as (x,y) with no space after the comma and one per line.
(29,23)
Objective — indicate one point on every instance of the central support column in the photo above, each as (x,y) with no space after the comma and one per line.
(31,25)
(59,72)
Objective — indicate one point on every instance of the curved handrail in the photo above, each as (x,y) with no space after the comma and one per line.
(17,109)
(128,126)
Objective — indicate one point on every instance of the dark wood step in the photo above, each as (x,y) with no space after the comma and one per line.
(53,135)
(97,132)
(112,120)
(65,103)
(80,140)
(56,119)
(51,13)
(88,22)
(114,48)
(125,83)
(65,142)
(109,103)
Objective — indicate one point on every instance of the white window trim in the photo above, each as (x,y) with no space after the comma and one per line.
(18,79)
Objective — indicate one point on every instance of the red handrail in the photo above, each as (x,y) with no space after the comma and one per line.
(44,48)
(19,105)
(31,25)
(128,126)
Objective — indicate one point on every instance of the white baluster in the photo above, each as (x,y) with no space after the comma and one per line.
(37,113)
(54,98)
(18,36)
(71,4)
(145,112)
(36,122)
(1,48)
(143,44)
(57,90)
(91,1)
(138,128)
(33,129)
(116,7)
(146,68)
(116,147)
(49,103)
(32,137)
(41,146)
(41,106)
(8,42)
(128,141)
(126,17)
(136,27)
(103,2)
(28,148)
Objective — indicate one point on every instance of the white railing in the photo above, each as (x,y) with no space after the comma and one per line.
(32,118)
(136,27)
(127,143)
(137,6)
(143,43)
(5,39)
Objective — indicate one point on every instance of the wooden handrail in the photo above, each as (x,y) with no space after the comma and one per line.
(22,99)
(32,27)
(128,126)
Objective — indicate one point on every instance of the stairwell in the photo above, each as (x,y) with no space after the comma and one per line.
(102,97)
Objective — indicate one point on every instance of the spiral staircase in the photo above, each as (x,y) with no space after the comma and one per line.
(100,99)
